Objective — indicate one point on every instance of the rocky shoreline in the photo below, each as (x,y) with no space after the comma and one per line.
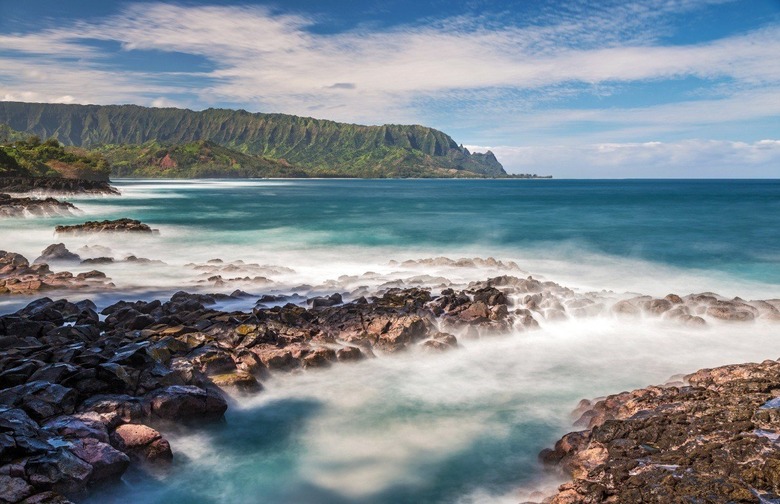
(56,185)
(85,394)
(34,207)
(712,438)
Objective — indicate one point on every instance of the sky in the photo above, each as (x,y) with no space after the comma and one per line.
(576,89)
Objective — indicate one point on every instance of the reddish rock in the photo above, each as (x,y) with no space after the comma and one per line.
(141,443)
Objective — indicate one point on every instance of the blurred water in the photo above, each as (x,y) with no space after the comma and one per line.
(463,427)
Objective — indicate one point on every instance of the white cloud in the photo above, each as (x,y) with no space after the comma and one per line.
(684,159)
(271,62)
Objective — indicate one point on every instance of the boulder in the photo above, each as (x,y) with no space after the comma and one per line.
(349,353)
(141,443)
(57,252)
(107,462)
(239,380)
(40,399)
(185,403)
(59,470)
(13,489)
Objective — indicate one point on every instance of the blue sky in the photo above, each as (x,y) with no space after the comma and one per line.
(672,88)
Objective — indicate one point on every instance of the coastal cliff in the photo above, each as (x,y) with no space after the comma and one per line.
(320,147)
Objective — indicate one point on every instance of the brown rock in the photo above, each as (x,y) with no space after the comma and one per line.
(141,443)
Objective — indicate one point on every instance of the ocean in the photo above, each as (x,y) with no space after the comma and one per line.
(460,427)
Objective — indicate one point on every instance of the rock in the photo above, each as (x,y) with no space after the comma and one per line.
(40,399)
(108,226)
(59,185)
(24,207)
(59,470)
(13,489)
(319,357)
(700,443)
(319,302)
(46,498)
(115,409)
(185,403)
(141,443)
(239,380)
(107,462)
(349,353)
(78,427)
(57,252)
(98,260)
(441,342)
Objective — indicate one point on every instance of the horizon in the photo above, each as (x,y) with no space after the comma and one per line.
(603,90)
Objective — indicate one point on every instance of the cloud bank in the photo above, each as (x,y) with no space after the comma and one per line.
(685,159)
(558,78)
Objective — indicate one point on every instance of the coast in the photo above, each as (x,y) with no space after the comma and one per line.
(85,394)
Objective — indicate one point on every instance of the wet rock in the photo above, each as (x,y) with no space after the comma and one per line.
(107,462)
(141,443)
(24,207)
(238,380)
(57,252)
(349,353)
(13,489)
(107,226)
(319,357)
(700,443)
(59,470)
(115,408)
(40,399)
(77,427)
(46,498)
(185,403)
(322,301)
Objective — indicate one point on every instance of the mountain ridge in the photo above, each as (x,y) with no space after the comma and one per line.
(321,146)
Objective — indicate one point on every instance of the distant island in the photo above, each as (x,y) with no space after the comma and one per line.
(136,141)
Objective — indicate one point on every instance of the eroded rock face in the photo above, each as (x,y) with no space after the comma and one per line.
(715,440)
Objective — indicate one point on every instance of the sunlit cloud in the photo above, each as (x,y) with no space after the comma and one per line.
(507,78)
(685,159)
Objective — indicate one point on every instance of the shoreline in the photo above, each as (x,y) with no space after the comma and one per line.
(166,361)
(711,437)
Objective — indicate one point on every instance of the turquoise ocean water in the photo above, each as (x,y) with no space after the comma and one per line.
(462,427)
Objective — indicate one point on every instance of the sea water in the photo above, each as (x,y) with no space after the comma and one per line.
(460,427)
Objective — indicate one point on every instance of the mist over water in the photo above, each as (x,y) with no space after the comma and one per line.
(460,427)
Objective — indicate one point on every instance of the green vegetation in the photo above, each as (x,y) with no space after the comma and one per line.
(30,156)
(224,143)
(201,159)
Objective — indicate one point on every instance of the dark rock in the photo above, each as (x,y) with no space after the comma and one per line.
(57,252)
(59,470)
(319,302)
(107,226)
(349,353)
(77,427)
(14,489)
(107,462)
(40,399)
(185,403)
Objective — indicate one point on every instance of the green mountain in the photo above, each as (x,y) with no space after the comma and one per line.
(318,147)
(201,159)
